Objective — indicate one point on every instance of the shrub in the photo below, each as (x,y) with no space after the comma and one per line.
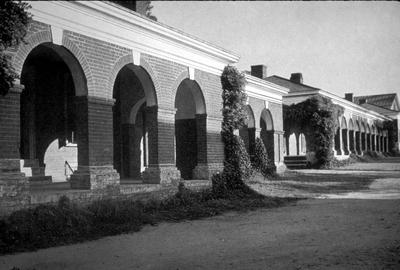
(260,160)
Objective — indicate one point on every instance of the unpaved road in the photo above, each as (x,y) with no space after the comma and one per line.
(314,234)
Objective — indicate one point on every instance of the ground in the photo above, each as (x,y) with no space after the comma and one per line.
(347,222)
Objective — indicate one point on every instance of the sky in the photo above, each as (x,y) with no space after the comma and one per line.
(342,47)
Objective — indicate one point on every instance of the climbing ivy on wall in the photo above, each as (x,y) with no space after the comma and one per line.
(13,28)
(316,117)
(237,166)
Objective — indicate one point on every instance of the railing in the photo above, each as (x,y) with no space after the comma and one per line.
(68,170)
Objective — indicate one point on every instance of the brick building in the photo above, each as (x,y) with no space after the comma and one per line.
(362,127)
(114,103)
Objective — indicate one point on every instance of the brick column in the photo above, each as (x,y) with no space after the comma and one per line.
(209,146)
(161,139)
(14,186)
(94,128)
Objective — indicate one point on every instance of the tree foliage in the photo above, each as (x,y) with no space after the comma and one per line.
(316,117)
(13,28)
(260,160)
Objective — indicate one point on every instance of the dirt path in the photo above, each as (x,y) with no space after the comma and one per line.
(314,234)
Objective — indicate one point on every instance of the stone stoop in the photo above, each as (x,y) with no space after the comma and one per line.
(296,162)
(14,187)
(34,173)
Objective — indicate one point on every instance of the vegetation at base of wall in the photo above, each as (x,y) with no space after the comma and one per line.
(66,223)
(316,117)
(13,28)
(260,160)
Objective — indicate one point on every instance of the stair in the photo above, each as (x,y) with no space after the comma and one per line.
(296,162)
(34,173)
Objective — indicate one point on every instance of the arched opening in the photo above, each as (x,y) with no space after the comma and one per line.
(267,133)
(52,78)
(345,141)
(302,144)
(134,94)
(292,145)
(190,127)
(247,132)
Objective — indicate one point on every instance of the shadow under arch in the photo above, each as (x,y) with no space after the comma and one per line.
(267,133)
(248,131)
(190,128)
(135,107)
(52,77)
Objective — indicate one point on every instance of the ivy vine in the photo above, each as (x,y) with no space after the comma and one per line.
(316,117)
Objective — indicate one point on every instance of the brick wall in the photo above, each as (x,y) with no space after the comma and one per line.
(10,125)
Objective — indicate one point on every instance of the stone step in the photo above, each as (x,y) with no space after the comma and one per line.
(40,180)
(289,158)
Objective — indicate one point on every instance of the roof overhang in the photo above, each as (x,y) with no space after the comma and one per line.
(265,90)
(115,24)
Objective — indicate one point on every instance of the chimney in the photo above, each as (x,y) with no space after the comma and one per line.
(349,97)
(259,71)
(296,78)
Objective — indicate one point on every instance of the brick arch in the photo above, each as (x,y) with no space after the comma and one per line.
(126,60)
(26,47)
(195,88)
(80,57)
(41,37)
(174,88)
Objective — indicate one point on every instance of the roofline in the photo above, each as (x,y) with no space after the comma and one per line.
(341,101)
(390,113)
(115,24)
(264,83)
(157,26)
(294,82)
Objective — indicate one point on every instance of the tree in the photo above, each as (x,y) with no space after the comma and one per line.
(13,29)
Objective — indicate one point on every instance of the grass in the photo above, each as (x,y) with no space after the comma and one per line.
(66,223)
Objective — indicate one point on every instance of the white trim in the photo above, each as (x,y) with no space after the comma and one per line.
(56,35)
(191,73)
(111,23)
(136,57)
